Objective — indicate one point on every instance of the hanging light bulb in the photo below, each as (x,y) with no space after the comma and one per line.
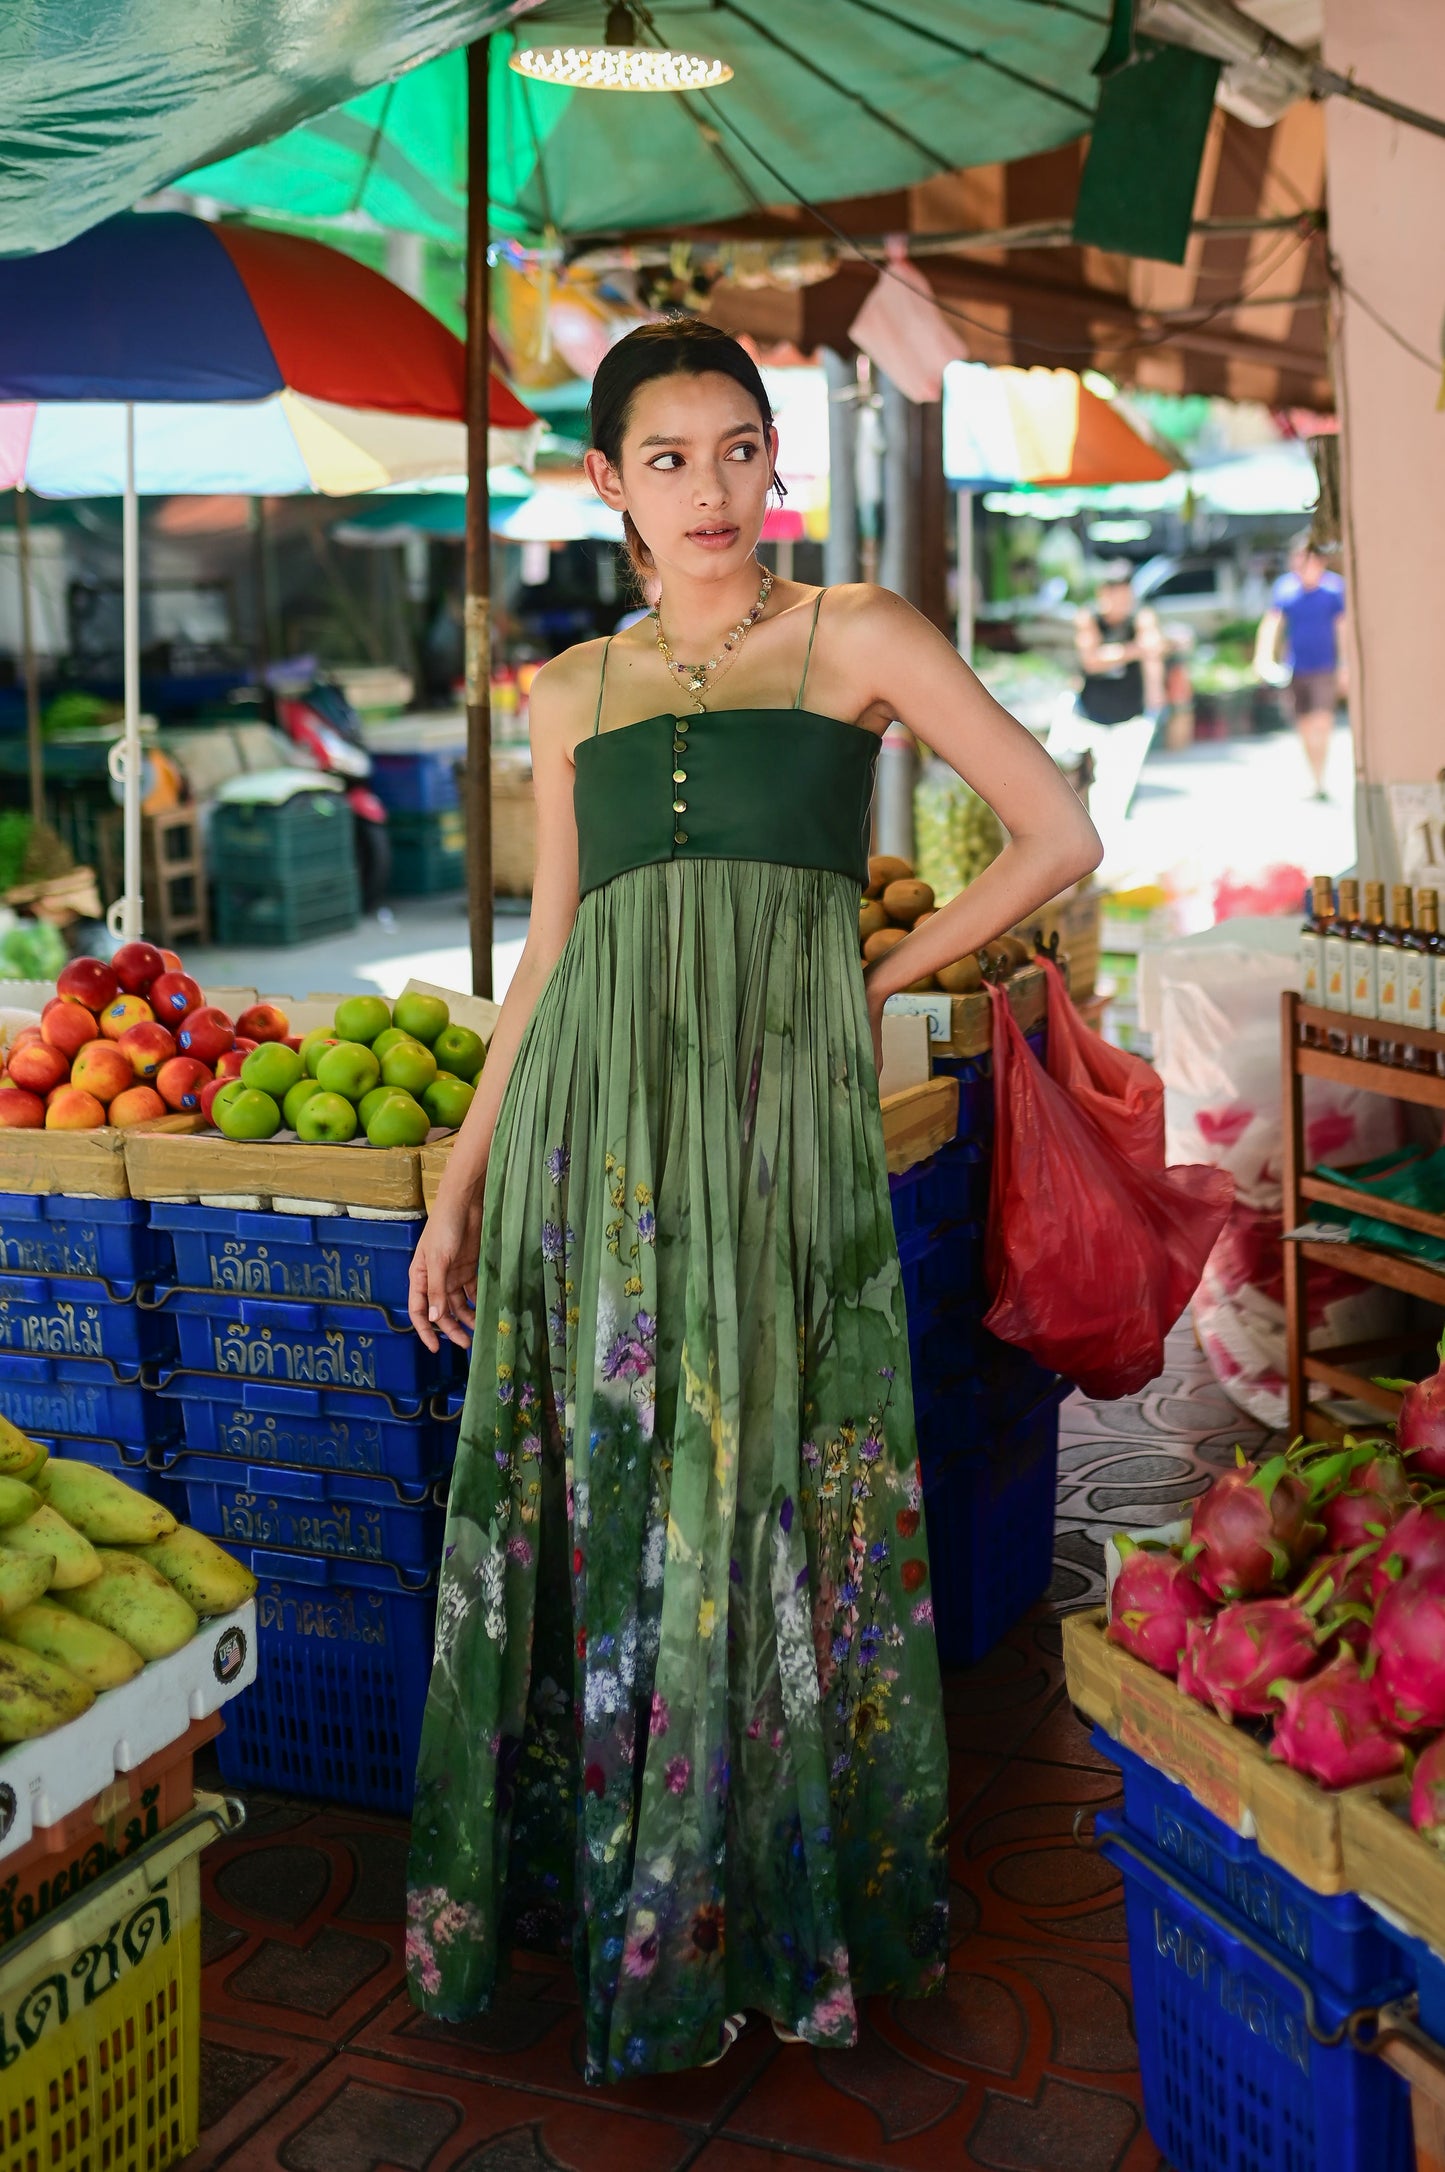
(620,63)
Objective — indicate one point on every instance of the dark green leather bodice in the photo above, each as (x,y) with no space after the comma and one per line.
(787,785)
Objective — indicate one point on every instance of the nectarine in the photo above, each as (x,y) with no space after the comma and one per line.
(147,1046)
(70,1109)
(21,1111)
(87,981)
(67,1026)
(102,1070)
(137,1105)
(37,1067)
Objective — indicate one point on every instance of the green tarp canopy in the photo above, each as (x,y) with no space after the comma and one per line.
(829,98)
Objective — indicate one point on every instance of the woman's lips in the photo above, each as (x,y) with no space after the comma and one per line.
(717,538)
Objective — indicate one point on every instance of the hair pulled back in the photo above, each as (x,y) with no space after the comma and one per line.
(679,346)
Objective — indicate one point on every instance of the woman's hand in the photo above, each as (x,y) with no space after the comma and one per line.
(443,1288)
(875,1021)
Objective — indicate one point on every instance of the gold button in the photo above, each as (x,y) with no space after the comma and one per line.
(680,723)
(679,837)
(679,806)
(679,746)
(679,776)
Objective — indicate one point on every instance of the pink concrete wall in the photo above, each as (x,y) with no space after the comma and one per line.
(1387,231)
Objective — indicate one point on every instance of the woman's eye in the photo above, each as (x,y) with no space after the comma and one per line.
(663,462)
(747,451)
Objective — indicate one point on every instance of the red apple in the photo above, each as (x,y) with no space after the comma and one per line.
(136,965)
(179,1082)
(71,1109)
(229,1064)
(208,1094)
(126,1011)
(206,1034)
(102,1070)
(67,1026)
(38,1067)
(244,1046)
(137,1105)
(263,1022)
(63,1088)
(147,1045)
(87,981)
(293,1040)
(172,961)
(174,996)
(28,1034)
(21,1111)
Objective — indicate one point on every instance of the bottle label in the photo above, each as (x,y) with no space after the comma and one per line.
(1389,982)
(1438,1006)
(1311,967)
(1363,958)
(1415,988)
(1337,973)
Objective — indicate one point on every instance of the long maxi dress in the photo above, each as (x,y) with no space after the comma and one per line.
(685,1707)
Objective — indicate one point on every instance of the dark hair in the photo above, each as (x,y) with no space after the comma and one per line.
(678,347)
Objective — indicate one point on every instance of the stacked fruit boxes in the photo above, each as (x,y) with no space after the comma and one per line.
(418,788)
(78,1330)
(317,1435)
(284,872)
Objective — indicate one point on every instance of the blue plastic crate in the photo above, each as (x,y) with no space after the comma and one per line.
(950,1186)
(320,1512)
(1234,2080)
(958,1365)
(113,1239)
(322,1256)
(84,1397)
(975,1085)
(940,1273)
(64,1316)
(988,1504)
(423,783)
(319,1429)
(1334,1936)
(343,1659)
(307,1343)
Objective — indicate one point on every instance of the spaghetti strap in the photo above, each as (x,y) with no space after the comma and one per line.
(601,685)
(808,655)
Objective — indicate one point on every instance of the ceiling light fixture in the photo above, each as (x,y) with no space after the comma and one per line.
(621,63)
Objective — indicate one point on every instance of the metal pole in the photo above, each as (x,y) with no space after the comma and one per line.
(478,604)
(27,647)
(840,551)
(130,926)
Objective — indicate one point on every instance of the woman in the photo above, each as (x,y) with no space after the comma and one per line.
(685,1708)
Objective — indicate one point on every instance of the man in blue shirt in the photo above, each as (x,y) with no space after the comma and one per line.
(1306,603)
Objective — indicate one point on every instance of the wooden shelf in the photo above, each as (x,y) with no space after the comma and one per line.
(1338,1368)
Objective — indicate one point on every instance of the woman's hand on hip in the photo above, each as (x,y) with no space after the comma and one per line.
(443,1291)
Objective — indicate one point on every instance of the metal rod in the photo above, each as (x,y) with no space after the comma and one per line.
(130,577)
(478,604)
(28,664)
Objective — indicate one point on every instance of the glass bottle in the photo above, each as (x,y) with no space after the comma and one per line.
(1389,971)
(1319,906)
(1364,954)
(1337,955)
(1417,974)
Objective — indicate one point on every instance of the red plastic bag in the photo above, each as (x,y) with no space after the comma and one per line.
(1123,1094)
(1090,1258)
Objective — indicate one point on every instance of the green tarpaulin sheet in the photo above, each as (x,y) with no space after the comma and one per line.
(830,98)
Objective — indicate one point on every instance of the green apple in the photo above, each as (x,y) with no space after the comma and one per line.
(296,1100)
(398,1121)
(327,1119)
(314,1046)
(422,1016)
(273,1069)
(361,1018)
(228,1092)
(447,1100)
(387,1040)
(348,1069)
(459,1050)
(409,1066)
(371,1101)
(248,1114)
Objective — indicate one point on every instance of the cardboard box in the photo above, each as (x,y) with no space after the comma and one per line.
(963,1025)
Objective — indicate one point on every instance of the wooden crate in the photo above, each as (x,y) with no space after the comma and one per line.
(962,1025)
(1297,1824)
(918,1121)
(1388,1861)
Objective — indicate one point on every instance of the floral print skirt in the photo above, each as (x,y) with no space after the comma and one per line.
(685,1710)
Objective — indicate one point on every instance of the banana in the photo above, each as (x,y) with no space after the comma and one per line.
(17,1450)
(94,1655)
(23,1577)
(134,1601)
(102,1507)
(37,1695)
(205,1575)
(17,1500)
(46,1532)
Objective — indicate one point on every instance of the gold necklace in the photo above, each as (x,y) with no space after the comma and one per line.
(697,678)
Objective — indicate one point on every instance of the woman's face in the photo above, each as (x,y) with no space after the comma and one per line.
(694,474)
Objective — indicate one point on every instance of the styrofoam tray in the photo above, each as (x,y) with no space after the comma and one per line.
(43,1781)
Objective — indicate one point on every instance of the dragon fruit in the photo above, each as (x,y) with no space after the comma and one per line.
(1351,1607)
(1238,1660)
(1414,1544)
(1408,1641)
(1421,1423)
(1330,1727)
(1368,1490)
(1154,1599)
(1251,1529)
(1427,1791)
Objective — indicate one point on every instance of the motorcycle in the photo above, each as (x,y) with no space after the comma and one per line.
(316,715)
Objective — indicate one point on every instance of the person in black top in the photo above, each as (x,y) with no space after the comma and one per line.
(1121,653)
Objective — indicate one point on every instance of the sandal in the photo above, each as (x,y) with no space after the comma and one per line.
(786,2036)
(733,2026)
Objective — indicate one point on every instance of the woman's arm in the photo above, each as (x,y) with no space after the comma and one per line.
(906,666)
(444,1269)
(1149,642)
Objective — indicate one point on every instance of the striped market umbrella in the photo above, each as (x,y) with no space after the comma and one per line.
(160,354)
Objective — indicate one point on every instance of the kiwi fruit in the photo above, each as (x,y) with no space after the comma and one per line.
(929,913)
(904,899)
(871,917)
(1012,947)
(1000,961)
(926,986)
(883,868)
(962,977)
(884,939)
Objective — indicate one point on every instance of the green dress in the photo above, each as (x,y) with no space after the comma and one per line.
(685,1707)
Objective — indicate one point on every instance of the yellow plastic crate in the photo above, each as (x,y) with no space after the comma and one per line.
(100,2016)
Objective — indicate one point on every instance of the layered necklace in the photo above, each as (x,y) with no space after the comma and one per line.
(697,678)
